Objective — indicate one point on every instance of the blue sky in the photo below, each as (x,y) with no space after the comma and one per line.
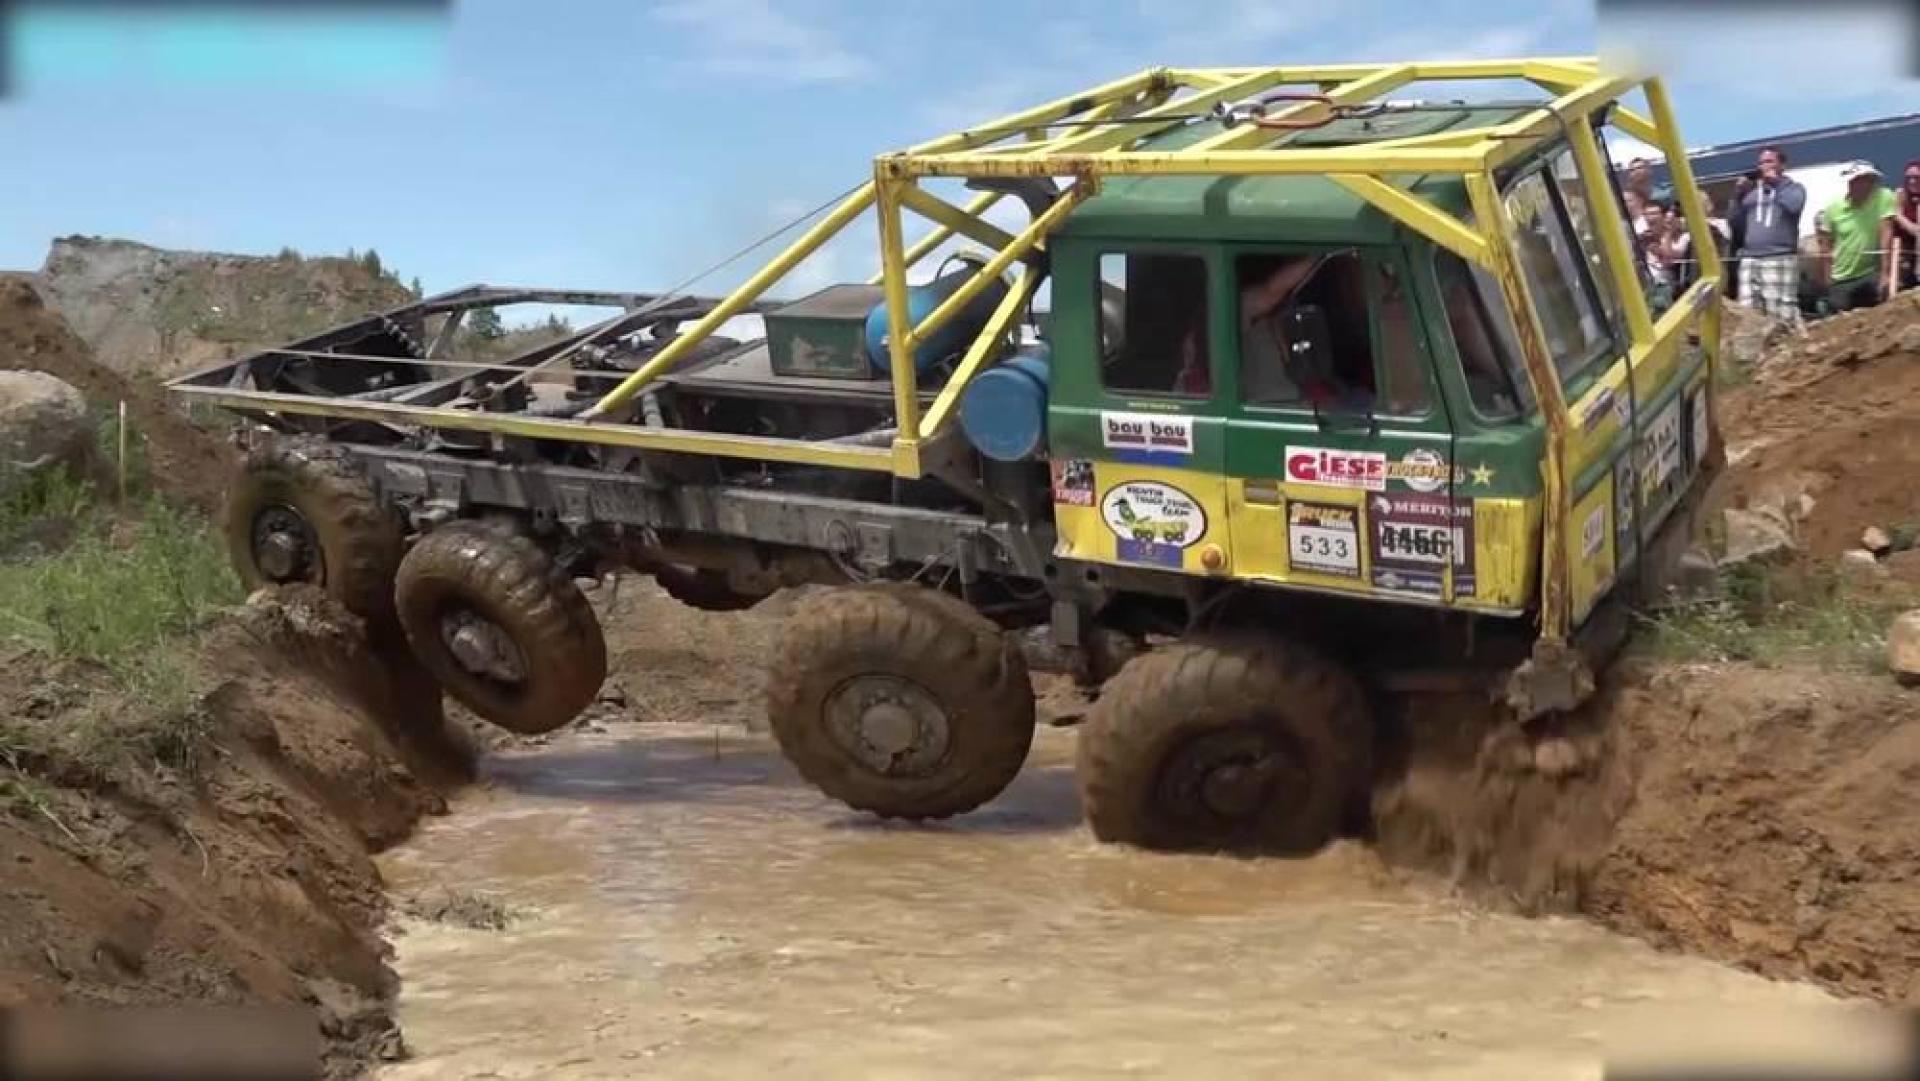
(622,144)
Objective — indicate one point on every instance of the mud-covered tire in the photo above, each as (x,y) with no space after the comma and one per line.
(845,646)
(1293,725)
(506,579)
(350,545)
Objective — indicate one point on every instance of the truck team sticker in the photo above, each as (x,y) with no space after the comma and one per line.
(1660,451)
(1413,539)
(1155,522)
(1323,538)
(1147,437)
(1072,481)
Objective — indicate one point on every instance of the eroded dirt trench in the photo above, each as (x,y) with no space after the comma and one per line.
(687,908)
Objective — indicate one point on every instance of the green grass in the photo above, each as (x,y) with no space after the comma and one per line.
(1777,615)
(126,592)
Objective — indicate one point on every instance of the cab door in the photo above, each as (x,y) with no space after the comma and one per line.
(1135,434)
(1345,485)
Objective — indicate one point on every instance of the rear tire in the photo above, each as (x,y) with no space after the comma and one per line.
(502,628)
(301,511)
(1247,745)
(901,700)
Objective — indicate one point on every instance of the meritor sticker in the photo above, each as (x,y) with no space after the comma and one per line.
(1413,539)
(1072,481)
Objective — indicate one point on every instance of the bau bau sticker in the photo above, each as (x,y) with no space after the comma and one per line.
(1154,522)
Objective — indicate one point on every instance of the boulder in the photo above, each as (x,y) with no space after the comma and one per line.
(1747,335)
(1876,540)
(43,423)
(1753,536)
(1903,648)
(1860,567)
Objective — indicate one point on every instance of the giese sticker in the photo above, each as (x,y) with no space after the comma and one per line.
(1337,468)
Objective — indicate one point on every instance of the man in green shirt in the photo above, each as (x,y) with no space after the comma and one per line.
(1856,235)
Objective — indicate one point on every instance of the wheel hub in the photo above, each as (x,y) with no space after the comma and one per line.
(284,547)
(893,726)
(1235,775)
(482,647)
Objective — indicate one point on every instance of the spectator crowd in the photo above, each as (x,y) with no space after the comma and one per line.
(1864,241)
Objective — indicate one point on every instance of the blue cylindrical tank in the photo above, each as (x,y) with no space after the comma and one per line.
(1004,409)
(950,339)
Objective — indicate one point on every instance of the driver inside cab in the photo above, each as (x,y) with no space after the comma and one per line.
(1279,363)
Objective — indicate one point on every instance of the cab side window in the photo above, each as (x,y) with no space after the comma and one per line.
(1556,272)
(1482,333)
(1404,388)
(1152,308)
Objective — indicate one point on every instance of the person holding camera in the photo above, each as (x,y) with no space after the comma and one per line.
(1767,220)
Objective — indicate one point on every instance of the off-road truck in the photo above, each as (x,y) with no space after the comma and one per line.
(1274,400)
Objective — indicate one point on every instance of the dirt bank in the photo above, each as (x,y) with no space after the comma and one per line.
(1750,815)
(221,856)
(1836,415)
(183,460)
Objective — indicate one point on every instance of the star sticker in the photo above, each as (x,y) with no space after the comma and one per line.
(1482,474)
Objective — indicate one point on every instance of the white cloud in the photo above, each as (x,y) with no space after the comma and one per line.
(753,39)
(1775,54)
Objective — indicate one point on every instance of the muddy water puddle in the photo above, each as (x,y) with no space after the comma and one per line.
(690,909)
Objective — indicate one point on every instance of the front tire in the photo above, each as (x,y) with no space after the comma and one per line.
(301,511)
(1247,746)
(901,700)
(502,628)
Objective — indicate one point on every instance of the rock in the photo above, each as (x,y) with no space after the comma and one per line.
(1859,567)
(1748,335)
(1903,648)
(43,423)
(1696,574)
(1876,541)
(1753,536)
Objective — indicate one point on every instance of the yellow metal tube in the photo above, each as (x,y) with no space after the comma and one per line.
(1680,172)
(996,266)
(979,352)
(1636,125)
(1040,115)
(1622,271)
(1358,91)
(1521,137)
(735,303)
(1556,603)
(1419,215)
(893,281)
(1121,135)
(976,206)
(1288,162)
(941,212)
(726,445)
